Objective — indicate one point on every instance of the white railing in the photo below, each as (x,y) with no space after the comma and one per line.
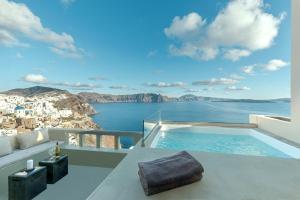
(67,134)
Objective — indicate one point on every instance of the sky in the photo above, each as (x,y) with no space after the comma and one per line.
(218,48)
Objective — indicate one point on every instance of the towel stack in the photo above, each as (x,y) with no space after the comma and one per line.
(169,172)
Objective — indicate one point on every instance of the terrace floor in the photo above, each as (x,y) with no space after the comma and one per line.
(226,177)
(77,185)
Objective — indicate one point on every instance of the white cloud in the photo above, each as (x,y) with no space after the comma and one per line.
(272,65)
(215,81)
(97,78)
(236,77)
(35,78)
(193,51)
(9,40)
(240,28)
(118,87)
(186,26)
(78,85)
(275,64)
(236,54)
(40,79)
(245,23)
(17,22)
(248,69)
(234,88)
(67,54)
(191,90)
(231,80)
(165,85)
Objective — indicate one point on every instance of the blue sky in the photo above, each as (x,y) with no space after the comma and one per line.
(237,49)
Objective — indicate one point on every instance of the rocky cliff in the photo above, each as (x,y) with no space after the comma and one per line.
(131,98)
(75,103)
(79,102)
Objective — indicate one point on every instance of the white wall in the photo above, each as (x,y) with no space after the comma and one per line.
(278,127)
(295,64)
(288,130)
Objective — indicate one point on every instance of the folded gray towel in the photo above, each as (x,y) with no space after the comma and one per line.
(169,172)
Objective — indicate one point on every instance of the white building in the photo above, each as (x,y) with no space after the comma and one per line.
(11,108)
(65,113)
(20,112)
(8,132)
(15,99)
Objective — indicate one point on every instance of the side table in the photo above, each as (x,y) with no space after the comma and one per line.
(57,168)
(25,185)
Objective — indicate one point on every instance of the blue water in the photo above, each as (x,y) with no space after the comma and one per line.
(208,140)
(130,116)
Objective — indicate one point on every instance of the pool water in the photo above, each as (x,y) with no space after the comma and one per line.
(221,140)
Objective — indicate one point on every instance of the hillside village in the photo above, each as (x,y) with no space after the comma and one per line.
(20,114)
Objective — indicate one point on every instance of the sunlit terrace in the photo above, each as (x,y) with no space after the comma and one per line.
(111,173)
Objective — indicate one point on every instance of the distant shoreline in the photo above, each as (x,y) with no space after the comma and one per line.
(94,97)
(224,101)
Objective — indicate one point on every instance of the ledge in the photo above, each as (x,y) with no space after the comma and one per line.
(277,126)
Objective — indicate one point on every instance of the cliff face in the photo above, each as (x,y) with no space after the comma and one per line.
(75,103)
(157,98)
(132,98)
(79,102)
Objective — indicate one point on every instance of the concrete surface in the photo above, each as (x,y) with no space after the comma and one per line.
(226,177)
(77,185)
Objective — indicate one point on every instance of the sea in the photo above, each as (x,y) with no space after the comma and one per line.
(130,116)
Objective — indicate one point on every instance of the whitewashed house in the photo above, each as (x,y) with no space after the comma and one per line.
(65,113)
(20,111)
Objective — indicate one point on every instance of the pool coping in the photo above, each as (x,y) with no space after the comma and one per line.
(219,124)
(153,133)
(282,139)
(284,143)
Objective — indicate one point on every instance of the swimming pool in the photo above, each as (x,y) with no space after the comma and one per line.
(244,141)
